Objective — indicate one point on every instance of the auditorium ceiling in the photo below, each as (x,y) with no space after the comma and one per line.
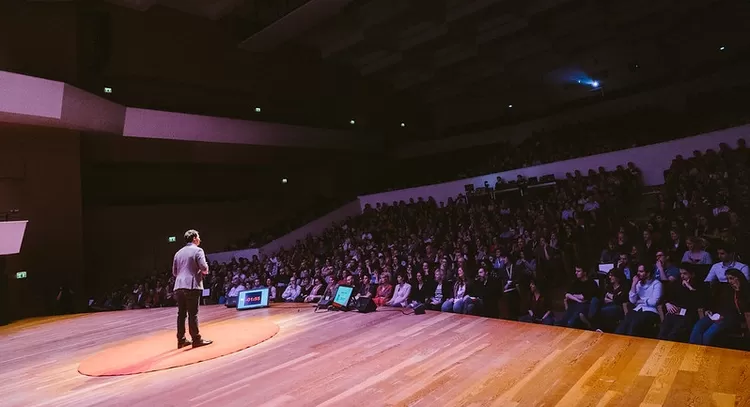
(453,66)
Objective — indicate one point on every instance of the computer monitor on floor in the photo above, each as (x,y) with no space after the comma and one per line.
(251,299)
(342,297)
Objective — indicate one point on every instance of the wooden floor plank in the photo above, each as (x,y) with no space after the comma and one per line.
(381,359)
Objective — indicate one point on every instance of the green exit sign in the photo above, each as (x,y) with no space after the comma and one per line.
(172,239)
(20,275)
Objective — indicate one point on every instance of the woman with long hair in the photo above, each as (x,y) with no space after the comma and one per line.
(461,290)
(540,311)
(733,308)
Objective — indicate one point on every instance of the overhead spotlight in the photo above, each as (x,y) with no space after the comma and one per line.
(403,124)
(722,48)
(595,84)
(352,121)
(257,110)
(509,106)
(107,90)
(284,180)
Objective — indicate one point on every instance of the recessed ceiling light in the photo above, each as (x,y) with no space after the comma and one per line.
(107,90)
(351,121)
(284,180)
(257,110)
(510,106)
(722,48)
(403,124)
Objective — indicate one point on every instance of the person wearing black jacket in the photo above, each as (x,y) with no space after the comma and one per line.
(510,278)
(683,300)
(578,298)
(733,309)
(606,312)
(483,300)
(540,311)
(420,289)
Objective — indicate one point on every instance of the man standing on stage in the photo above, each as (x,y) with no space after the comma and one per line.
(189,267)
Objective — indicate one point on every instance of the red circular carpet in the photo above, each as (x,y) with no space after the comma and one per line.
(159,351)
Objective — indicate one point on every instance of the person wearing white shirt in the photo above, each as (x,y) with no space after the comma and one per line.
(718,271)
(400,293)
(237,288)
(645,293)
(292,291)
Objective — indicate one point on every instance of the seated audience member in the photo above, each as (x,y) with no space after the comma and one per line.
(727,261)
(645,294)
(510,278)
(609,254)
(237,288)
(733,310)
(539,308)
(606,313)
(683,300)
(626,266)
(305,288)
(292,291)
(365,288)
(419,289)
(271,289)
(695,253)
(664,269)
(578,298)
(439,291)
(400,293)
(317,290)
(458,296)
(384,291)
(483,299)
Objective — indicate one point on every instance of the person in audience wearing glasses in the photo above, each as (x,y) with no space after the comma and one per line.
(733,312)
(540,311)
(400,293)
(578,298)
(645,294)
(684,299)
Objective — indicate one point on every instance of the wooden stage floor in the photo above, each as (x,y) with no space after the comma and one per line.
(378,359)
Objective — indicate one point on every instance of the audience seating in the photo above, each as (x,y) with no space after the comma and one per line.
(541,236)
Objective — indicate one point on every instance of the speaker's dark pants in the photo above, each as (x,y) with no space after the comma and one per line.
(187,306)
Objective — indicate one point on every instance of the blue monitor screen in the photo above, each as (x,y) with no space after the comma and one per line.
(343,293)
(256,298)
